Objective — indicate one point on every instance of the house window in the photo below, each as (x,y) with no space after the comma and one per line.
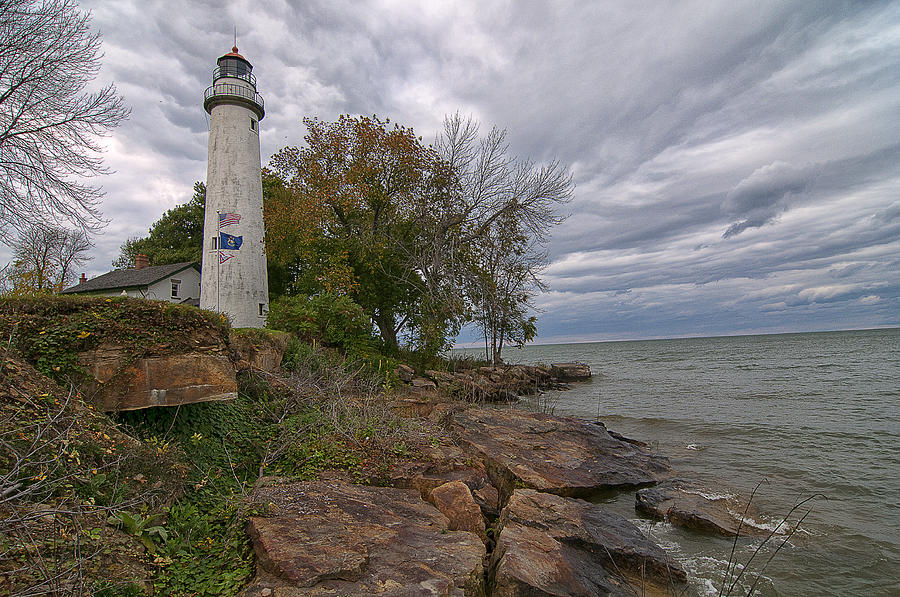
(175,284)
(254,125)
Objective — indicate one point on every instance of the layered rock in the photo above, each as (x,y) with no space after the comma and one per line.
(558,455)
(260,350)
(570,371)
(550,545)
(500,383)
(422,383)
(688,505)
(124,383)
(440,464)
(342,539)
(405,373)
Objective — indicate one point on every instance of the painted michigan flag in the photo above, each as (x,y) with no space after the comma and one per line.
(227,241)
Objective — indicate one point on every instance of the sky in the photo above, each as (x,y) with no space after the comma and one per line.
(737,163)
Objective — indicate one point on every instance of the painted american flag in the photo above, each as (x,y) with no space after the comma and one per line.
(229,219)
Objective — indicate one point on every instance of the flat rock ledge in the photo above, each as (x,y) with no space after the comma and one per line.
(120,383)
(342,539)
(558,455)
(550,545)
(688,505)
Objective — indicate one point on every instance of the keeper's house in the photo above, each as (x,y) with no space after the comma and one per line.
(176,283)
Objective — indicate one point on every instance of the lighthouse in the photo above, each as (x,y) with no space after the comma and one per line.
(233,277)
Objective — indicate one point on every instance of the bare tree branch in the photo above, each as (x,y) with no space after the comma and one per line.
(50,127)
(44,258)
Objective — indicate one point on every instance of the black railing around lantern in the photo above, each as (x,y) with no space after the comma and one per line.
(233,91)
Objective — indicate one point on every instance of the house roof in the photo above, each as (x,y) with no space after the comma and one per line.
(131,278)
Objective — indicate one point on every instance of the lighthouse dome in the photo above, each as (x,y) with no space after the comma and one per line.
(234,82)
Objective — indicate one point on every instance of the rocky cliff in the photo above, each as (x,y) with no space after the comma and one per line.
(437,531)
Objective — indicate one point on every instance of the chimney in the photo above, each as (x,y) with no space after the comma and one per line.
(141,261)
(83,279)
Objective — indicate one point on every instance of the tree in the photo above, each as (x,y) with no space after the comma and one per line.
(503,276)
(419,236)
(490,228)
(45,258)
(176,237)
(49,125)
(300,259)
(353,190)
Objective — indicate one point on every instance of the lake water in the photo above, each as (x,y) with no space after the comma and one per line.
(814,414)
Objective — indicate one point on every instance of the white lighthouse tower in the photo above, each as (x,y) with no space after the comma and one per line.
(233,273)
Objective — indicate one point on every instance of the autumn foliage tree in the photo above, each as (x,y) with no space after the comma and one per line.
(424,238)
(345,213)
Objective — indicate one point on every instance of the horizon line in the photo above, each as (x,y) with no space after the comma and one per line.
(552,342)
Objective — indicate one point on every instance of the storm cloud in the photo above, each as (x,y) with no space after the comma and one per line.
(736,162)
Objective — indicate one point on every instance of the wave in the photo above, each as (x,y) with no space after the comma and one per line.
(706,575)
(710,495)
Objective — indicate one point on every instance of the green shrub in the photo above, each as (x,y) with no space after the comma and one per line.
(329,318)
(50,331)
(311,358)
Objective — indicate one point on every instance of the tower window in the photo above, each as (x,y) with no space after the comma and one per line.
(233,66)
(261,305)
(215,243)
(175,285)
(254,125)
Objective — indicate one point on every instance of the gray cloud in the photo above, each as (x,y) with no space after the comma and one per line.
(736,162)
(763,195)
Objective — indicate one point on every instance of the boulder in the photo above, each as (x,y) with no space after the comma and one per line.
(422,383)
(558,455)
(570,371)
(441,464)
(261,350)
(455,501)
(441,378)
(444,464)
(550,545)
(342,539)
(488,499)
(689,506)
(405,373)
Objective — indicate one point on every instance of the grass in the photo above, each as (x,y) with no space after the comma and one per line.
(64,469)
(156,498)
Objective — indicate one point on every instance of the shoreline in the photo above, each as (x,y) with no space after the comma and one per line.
(515,479)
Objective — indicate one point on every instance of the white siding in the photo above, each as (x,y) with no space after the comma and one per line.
(188,288)
(162,290)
